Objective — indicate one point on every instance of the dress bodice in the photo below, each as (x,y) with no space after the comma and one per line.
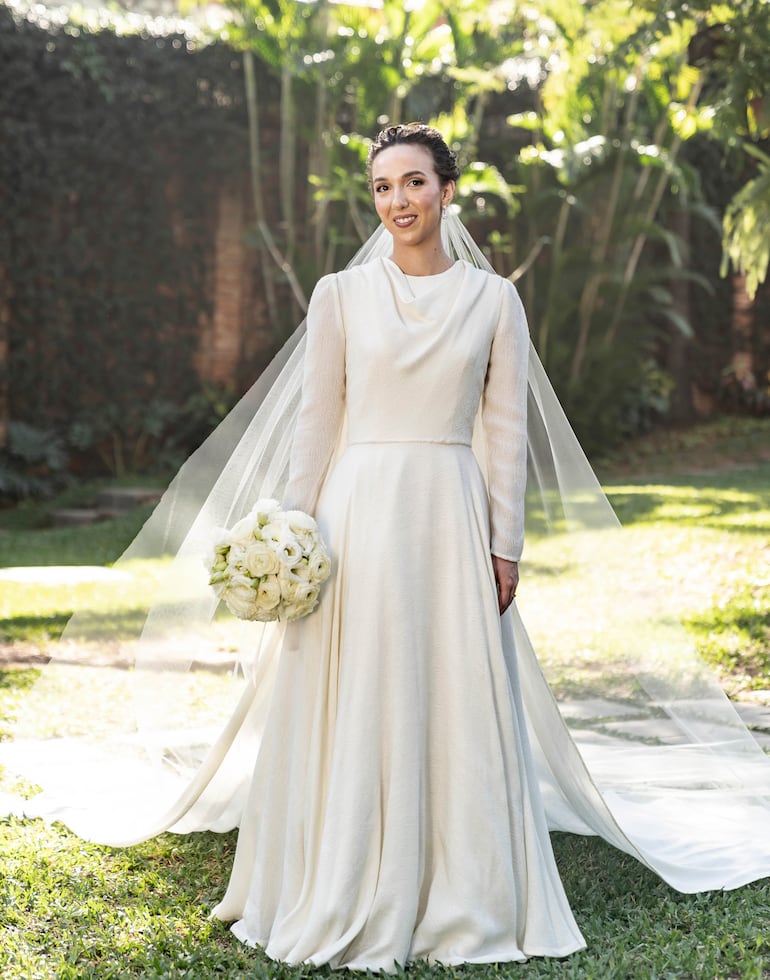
(417,375)
(405,361)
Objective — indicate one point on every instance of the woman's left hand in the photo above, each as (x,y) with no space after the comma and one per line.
(507,578)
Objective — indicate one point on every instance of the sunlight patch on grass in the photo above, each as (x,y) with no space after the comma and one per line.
(692,506)
(697,549)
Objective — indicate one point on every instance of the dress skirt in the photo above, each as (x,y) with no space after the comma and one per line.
(394,811)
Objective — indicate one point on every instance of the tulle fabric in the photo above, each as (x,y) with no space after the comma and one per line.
(639,743)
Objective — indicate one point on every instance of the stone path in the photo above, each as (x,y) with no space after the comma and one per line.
(611,721)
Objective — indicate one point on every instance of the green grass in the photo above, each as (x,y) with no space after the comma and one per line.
(69,909)
(74,910)
(722,443)
(710,534)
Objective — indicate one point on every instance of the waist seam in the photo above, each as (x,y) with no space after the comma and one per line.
(401,442)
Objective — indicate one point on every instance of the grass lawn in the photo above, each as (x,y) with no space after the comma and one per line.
(74,910)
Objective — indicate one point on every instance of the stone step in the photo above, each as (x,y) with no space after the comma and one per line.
(109,503)
(75,516)
(123,499)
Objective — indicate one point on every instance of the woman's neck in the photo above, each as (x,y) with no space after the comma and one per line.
(422,262)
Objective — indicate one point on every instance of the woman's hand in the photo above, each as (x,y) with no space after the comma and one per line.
(507,578)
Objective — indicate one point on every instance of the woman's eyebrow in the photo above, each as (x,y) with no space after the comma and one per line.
(409,173)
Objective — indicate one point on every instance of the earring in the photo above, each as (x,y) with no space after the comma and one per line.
(443,212)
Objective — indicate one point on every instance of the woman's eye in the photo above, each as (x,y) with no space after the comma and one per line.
(380,187)
(417,181)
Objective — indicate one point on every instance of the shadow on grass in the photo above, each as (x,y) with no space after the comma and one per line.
(93,544)
(735,635)
(117,625)
(704,507)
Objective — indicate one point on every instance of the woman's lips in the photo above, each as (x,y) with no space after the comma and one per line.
(405,220)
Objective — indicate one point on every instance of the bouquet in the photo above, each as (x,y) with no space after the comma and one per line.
(270,565)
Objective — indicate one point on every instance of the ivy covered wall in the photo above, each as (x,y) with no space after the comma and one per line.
(123,187)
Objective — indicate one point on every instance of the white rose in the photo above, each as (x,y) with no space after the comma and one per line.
(310,542)
(242,532)
(274,530)
(298,609)
(299,521)
(289,585)
(306,591)
(259,559)
(236,559)
(301,571)
(240,598)
(319,565)
(263,510)
(288,551)
(269,615)
(268,593)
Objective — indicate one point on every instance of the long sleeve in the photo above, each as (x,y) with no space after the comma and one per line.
(323,398)
(504,417)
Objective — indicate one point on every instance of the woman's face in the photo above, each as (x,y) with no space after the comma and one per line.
(409,194)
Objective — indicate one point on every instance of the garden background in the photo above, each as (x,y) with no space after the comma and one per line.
(172,184)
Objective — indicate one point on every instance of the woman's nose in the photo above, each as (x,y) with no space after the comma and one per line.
(399,197)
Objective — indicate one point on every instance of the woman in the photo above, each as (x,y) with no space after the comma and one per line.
(396,759)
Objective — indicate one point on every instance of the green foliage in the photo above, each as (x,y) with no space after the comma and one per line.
(581,195)
(32,464)
(112,148)
(152,437)
(732,47)
(747,226)
(723,443)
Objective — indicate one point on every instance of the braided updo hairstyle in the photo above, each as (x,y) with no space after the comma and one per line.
(444,160)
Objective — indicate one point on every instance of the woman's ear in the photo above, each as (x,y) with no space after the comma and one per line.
(448,193)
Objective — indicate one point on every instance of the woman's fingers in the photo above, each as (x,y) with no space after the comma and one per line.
(507,579)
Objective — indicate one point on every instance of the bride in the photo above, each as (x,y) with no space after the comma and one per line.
(394,811)
(395,760)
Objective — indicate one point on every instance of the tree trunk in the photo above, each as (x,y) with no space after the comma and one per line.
(681,408)
(742,327)
(252,104)
(5,318)
(286,159)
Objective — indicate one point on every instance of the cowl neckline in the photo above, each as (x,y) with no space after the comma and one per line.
(431,290)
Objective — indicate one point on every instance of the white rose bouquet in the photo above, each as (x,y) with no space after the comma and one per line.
(270,565)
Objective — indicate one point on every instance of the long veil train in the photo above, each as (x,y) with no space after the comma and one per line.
(639,744)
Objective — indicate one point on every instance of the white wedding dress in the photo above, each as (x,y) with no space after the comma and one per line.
(395,760)
(394,811)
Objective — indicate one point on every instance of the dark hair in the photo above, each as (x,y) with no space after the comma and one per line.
(444,160)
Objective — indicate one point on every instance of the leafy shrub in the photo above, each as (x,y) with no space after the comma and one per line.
(33,464)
